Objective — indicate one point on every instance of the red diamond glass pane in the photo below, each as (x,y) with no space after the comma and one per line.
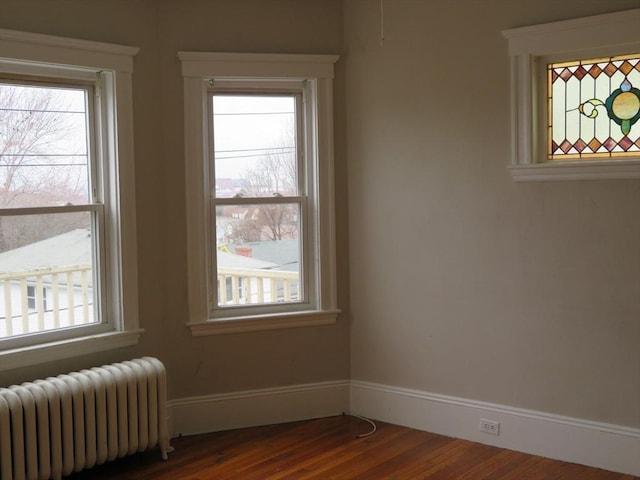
(610,69)
(625,143)
(594,71)
(580,73)
(609,144)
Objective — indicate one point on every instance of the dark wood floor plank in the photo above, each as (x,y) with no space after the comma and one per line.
(339,457)
(469,459)
(276,450)
(328,448)
(424,450)
(306,446)
(369,454)
(431,466)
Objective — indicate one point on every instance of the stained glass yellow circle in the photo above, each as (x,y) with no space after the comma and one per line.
(626,105)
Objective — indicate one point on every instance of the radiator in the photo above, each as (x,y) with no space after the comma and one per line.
(51,428)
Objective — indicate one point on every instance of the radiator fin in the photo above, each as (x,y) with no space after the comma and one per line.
(53,427)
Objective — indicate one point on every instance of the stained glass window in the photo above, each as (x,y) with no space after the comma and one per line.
(594,108)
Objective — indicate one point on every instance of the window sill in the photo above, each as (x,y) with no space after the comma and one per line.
(592,170)
(265,322)
(74,347)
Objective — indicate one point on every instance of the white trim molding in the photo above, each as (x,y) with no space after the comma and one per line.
(109,68)
(52,50)
(601,445)
(252,408)
(313,76)
(264,322)
(256,65)
(531,48)
(629,169)
(69,348)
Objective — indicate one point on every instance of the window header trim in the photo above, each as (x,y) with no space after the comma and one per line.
(255,65)
(36,47)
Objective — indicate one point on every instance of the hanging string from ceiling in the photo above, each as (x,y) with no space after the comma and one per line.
(381,23)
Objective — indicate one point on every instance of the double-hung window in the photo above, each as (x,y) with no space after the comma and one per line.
(258,133)
(67,218)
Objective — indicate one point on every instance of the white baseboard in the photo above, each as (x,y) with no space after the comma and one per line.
(211,413)
(610,447)
(600,445)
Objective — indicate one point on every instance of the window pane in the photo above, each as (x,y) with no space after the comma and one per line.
(43,146)
(46,272)
(258,254)
(594,108)
(255,145)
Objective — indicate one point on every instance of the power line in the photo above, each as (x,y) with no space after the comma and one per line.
(251,156)
(47,165)
(253,113)
(33,110)
(44,155)
(254,149)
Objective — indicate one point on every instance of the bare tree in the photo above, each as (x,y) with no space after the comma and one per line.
(279,221)
(246,229)
(33,127)
(274,175)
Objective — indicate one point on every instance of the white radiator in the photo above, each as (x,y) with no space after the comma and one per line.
(64,424)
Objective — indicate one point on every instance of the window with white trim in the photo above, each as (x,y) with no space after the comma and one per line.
(67,214)
(575,98)
(259,164)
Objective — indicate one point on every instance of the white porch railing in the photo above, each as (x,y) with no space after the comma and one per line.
(45,299)
(253,286)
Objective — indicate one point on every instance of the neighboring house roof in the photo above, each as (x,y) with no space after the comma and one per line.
(230,260)
(282,254)
(74,248)
(67,249)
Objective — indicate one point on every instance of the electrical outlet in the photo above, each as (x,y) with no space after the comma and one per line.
(489,426)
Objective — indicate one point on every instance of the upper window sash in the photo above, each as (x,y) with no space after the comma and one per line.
(92,115)
(296,90)
(531,50)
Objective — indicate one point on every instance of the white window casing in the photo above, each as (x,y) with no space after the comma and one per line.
(110,68)
(531,48)
(200,70)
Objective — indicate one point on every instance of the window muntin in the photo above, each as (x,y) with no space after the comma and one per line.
(259,197)
(50,209)
(594,108)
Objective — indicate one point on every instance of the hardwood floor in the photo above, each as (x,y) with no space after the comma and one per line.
(326,449)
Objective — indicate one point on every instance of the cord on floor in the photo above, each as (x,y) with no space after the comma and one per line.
(373,425)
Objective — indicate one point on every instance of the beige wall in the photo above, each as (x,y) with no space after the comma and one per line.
(463,282)
(213,364)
